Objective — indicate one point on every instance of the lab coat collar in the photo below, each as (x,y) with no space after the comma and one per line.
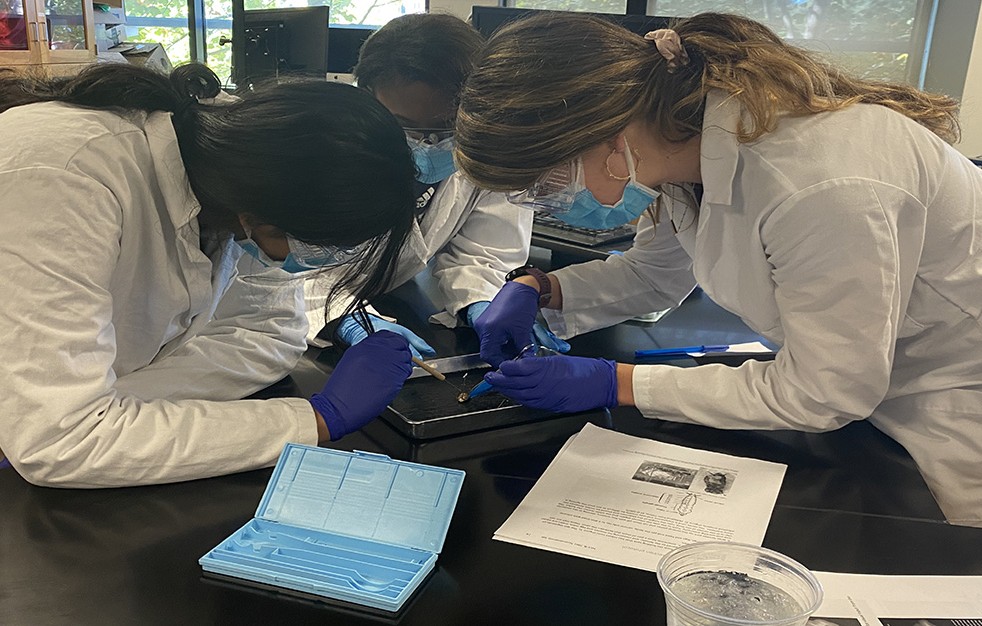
(182,205)
(719,148)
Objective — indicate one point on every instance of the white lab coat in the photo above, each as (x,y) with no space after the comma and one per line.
(473,237)
(852,239)
(124,347)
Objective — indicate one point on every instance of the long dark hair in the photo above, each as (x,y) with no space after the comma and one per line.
(431,48)
(322,161)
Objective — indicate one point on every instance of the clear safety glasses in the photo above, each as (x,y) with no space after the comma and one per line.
(314,255)
(554,191)
(428,136)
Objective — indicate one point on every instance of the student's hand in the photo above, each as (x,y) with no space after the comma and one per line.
(563,384)
(545,338)
(541,336)
(351,332)
(364,382)
(474,311)
(505,325)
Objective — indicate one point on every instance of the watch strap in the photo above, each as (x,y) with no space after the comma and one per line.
(545,285)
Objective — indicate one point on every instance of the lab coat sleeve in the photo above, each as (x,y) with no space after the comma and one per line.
(844,255)
(493,240)
(64,422)
(653,275)
(255,338)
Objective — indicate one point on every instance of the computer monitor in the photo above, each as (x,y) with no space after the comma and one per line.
(343,45)
(488,19)
(280,42)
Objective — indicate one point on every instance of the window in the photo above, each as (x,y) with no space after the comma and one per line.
(593,6)
(166,22)
(160,21)
(877,39)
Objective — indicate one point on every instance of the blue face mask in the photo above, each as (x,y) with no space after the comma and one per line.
(434,161)
(288,264)
(587,212)
(302,257)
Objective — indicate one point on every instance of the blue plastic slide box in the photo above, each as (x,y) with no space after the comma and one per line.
(354,527)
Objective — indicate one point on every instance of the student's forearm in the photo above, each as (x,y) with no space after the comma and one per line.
(625,384)
(323,434)
(556,300)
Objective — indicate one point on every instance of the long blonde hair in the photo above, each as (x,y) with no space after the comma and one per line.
(549,86)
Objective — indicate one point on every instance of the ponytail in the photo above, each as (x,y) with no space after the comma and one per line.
(771,78)
(114,86)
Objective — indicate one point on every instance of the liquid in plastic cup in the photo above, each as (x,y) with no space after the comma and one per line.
(734,584)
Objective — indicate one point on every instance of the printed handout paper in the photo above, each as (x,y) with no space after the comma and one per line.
(612,497)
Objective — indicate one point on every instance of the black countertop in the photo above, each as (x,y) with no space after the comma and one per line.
(851,501)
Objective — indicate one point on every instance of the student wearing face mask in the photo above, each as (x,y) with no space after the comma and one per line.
(149,233)
(829,212)
(415,66)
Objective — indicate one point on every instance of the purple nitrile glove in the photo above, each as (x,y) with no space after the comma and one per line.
(365,380)
(563,384)
(541,335)
(505,326)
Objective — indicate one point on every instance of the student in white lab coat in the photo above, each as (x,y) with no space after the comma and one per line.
(830,213)
(415,65)
(147,238)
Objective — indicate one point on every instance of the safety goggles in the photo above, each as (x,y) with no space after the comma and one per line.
(428,136)
(554,191)
(313,255)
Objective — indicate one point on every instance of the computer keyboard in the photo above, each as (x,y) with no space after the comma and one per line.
(550,226)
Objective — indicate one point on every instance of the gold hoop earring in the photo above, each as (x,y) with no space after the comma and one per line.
(611,174)
(637,164)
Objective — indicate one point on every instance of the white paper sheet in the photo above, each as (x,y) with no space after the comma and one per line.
(868,600)
(753,347)
(626,500)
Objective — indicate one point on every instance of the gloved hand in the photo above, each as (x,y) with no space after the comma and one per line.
(541,336)
(474,311)
(505,326)
(564,384)
(364,382)
(351,332)
(545,338)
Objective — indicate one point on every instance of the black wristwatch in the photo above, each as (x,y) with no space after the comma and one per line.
(545,285)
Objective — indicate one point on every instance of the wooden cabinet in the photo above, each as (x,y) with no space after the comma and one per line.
(54,36)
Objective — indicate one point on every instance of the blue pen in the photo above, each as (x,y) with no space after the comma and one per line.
(484,386)
(668,353)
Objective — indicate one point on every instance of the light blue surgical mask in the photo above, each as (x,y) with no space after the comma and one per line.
(563,192)
(302,257)
(588,212)
(433,154)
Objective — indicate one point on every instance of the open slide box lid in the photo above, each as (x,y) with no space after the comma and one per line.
(356,527)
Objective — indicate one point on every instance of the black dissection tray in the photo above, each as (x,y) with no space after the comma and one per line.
(427,408)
